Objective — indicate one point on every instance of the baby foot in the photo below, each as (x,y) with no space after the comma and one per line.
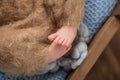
(64,36)
(62,41)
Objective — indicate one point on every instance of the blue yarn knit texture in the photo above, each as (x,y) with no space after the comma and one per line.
(96,12)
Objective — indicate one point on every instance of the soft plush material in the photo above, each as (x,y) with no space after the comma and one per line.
(26,26)
(95,14)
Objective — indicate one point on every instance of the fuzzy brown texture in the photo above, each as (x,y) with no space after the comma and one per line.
(25,26)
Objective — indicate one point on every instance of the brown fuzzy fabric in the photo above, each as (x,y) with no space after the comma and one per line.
(24,27)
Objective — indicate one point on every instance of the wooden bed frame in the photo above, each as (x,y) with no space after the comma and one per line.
(98,45)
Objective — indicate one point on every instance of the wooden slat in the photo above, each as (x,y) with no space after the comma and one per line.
(112,60)
(96,48)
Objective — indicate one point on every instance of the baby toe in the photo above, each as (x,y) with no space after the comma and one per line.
(64,42)
(52,36)
(57,40)
(68,43)
(60,41)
